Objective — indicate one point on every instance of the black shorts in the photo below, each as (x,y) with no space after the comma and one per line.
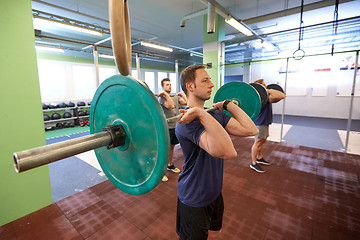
(173,138)
(193,223)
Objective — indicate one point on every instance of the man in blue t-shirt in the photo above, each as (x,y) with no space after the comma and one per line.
(205,142)
(263,120)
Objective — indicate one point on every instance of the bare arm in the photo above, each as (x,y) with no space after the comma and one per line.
(240,124)
(169,103)
(183,98)
(215,140)
(275,95)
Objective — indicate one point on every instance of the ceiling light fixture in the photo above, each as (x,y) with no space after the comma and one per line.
(232,45)
(268,46)
(238,26)
(152,45)
(196,54)
(106,56)
(47,48)
(45,21)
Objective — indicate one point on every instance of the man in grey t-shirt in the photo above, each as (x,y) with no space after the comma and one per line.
(170,105)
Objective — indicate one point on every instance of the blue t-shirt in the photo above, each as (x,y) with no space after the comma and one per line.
(200,183)
(265,116)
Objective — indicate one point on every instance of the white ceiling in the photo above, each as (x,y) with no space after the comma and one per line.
(159,21)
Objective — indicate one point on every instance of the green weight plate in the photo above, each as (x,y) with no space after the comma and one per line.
(275,87)
(247,97)
(262,93)
(138,166)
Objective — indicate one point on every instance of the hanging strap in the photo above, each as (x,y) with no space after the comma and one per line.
(335,25)
(301,29)
(299,53)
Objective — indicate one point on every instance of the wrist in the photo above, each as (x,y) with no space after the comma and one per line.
(225,104)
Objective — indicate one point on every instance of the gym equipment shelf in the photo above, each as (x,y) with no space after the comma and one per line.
(62,119)
(75,115)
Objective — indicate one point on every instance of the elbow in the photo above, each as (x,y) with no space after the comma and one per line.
(229,155)
(253,132)
(225,153)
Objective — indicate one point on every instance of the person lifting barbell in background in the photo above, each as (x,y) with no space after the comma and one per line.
(205,142)
(263,120)
(170,106)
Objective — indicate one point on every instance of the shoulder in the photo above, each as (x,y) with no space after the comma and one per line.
(220,116)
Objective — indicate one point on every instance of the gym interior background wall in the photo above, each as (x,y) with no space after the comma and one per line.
(21,117)
(66,67)
(317,86)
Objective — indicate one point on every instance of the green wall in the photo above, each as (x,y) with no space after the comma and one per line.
(26,192)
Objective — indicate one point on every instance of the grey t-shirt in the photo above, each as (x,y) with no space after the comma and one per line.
(170,112)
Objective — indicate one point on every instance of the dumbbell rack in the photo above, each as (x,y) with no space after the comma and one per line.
(86,117)
(75,110)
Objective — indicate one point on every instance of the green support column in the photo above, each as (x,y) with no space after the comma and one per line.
(21,117)
(214,54)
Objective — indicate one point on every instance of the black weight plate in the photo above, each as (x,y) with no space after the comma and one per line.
(275,87)
(262,93)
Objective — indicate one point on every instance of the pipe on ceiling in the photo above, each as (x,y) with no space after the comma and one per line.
(211,18)
(191,16)
(221,12)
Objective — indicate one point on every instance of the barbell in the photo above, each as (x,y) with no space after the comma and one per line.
(131,141)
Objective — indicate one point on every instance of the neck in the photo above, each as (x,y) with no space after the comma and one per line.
(195,102)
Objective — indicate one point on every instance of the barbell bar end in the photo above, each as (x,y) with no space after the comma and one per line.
(16,163)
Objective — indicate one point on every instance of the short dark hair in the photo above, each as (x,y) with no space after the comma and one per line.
(188,75)
(259,81)
(164,80)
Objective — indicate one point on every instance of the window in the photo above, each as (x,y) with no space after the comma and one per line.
(150,80)
(161,76)
(84,81)
(106,72)
(134,73)
(52,86)
(172,77)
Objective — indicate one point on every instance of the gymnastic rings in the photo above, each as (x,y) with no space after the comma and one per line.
(120,34)
(298,54)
